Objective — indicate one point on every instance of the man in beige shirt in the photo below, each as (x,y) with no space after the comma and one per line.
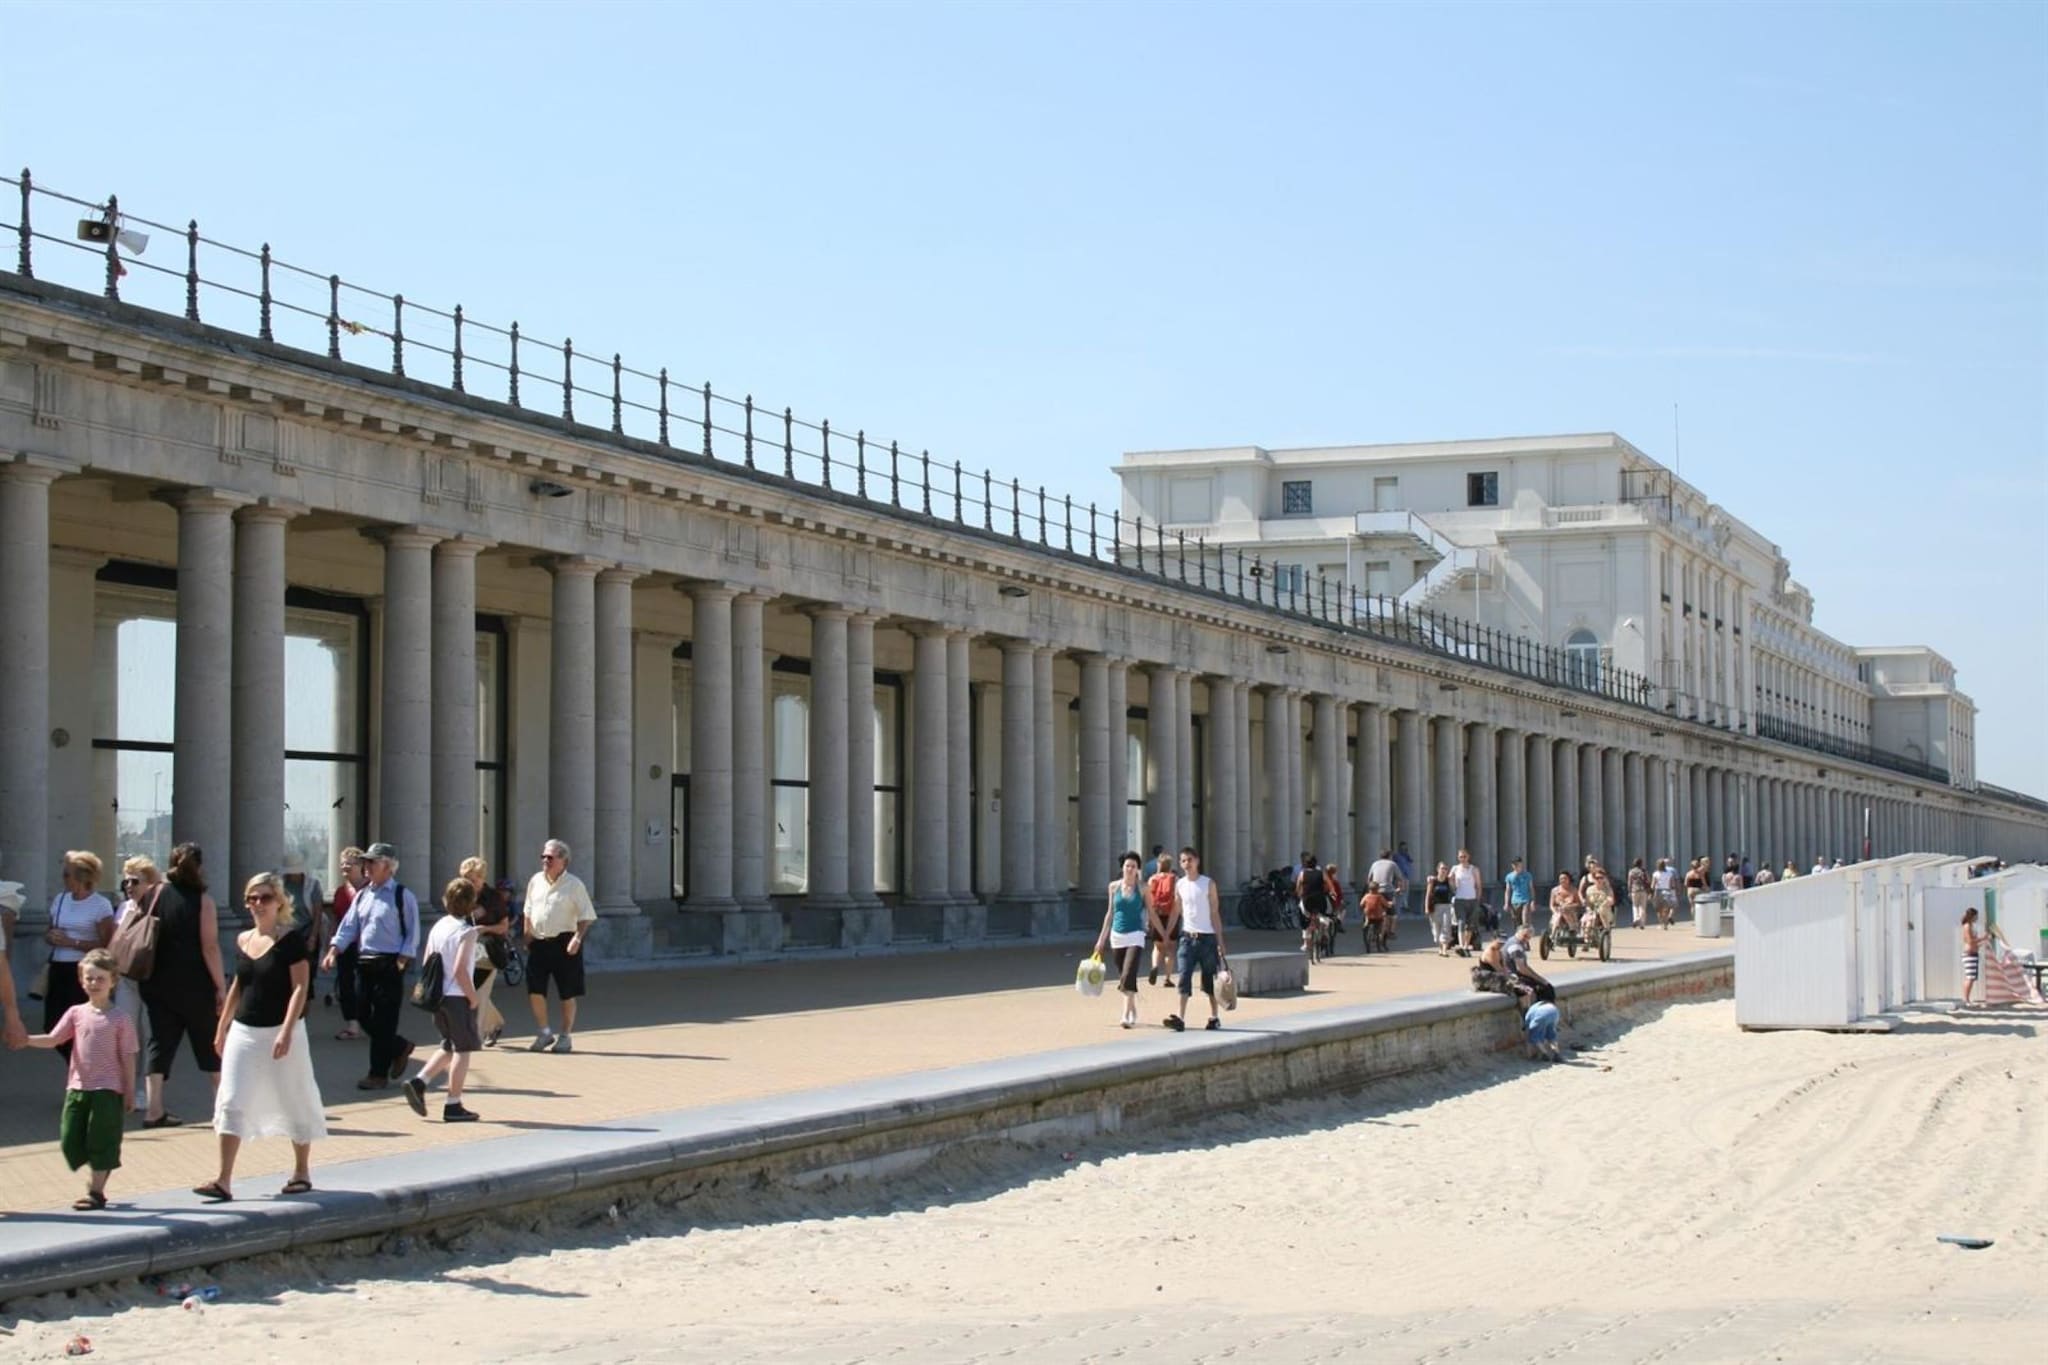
(558,914)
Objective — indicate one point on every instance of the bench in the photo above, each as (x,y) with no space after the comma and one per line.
(1269,973)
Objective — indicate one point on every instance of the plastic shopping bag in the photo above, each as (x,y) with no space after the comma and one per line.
(1088,976)
(1226,988)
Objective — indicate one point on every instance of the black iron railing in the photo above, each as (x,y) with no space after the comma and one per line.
(294,307)
(1806,737)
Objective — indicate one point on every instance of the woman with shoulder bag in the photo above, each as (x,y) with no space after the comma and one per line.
(185,988)
(81,919)
(493,920)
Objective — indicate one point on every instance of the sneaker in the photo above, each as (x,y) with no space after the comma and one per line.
(416,1095)
(1214,1023)
(561,1042)
(542,1041)
(491,1038)
(1175,1022)
(453,1112)
(372,1083)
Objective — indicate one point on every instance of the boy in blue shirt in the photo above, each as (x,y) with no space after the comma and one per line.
(1521,891)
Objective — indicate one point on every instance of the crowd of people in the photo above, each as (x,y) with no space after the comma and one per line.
(125,987)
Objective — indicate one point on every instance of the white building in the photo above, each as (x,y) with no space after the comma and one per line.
(1582,543)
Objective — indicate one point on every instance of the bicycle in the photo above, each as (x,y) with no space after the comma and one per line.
(1258,905)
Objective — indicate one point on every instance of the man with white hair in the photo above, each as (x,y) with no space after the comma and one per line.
(558,916)
(383,923)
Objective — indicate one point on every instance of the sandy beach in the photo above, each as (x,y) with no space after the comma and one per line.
(1680,1191)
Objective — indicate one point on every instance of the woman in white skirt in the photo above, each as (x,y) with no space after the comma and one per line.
(266,1082)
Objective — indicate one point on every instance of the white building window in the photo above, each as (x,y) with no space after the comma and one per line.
(1582,659)
(1482,490)
(1379,577)
(1297,498)
(1386,494)
(1289,578)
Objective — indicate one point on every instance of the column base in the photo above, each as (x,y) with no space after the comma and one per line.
(743,930)
(867,926)
(963,921)
(1049,917)
(621,934)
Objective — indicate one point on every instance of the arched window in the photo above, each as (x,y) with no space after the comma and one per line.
(1582,659)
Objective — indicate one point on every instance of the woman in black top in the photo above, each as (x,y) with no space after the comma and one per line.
(185,989)
(267,1087)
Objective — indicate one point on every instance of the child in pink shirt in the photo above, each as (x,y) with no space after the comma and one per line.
(100,1086)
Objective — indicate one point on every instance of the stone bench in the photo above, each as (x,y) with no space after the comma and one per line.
(1269,973)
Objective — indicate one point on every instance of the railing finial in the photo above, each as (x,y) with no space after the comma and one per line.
(25,264)
(192,270)
(114,270)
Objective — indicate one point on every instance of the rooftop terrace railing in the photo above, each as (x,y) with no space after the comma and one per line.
(1806,737)
(256,293)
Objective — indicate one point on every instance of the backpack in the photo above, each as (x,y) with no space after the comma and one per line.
(429,990)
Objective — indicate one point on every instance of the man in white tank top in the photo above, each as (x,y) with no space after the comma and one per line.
(1201,940)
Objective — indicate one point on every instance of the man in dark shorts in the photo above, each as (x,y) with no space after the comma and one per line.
(558,916)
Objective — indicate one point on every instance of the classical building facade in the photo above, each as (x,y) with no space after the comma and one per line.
(275,601)
(1587,545)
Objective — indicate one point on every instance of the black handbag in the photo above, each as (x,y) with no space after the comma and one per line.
(428,990)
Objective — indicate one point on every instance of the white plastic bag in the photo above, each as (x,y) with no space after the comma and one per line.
(1226,988)
(1088,976)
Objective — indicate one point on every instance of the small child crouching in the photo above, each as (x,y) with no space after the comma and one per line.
(100,1085)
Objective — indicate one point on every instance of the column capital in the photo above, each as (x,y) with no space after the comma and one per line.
(405,537)
(63,557)
(620,574)
(273,511)
(826,611)
(22,467)
(1013,644)
(204,499)
(464,545)
(929,630)
(573,566)
(712,590)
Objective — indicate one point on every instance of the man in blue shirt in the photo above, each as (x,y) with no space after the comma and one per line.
(1521,891)
(1406,863)
(383,922)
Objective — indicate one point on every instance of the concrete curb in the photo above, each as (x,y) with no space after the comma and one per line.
(846,1130)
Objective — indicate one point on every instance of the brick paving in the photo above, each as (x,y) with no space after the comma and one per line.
(671,1038)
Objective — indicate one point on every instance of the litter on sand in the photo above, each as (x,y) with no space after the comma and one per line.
(1966,1243)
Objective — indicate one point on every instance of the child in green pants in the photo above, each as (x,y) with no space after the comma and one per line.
(100,1087)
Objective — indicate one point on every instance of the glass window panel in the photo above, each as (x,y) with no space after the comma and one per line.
(488,702)
(792,759)
(789,871)
(320,668)
(888,819)
(142,784)
(679,713)
(320,814)
(679,837)
(146,671)
(888,728)
(490,818)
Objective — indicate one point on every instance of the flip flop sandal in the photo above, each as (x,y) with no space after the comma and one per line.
(88,1202)
(212,1193)
(297,1186)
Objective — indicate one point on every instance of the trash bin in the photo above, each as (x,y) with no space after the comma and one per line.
(1710,912)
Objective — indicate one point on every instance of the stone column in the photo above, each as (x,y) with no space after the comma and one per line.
(1049,826)
(1702,833)
(930,770)
(1247,783)
(1225,798)
(1512,839)
(1019,801)
(750,839)
(626,932)
(1613,816)
(405,785)
(1184,761)
(1331,796)
(960,780)
(204,704)
(258,691)
(1162,750)
(1656,839)
(1570,847)
(1482,798)
(1717,818)
(1591,806)
(25,694)
(1449,803)
(1277,828)
(1117,707)
(1411,811)
(1369,791)
(572,726)
(1093,794)
(860,765)
(454,721)
(1541,788)
(1297,780)
(1636,804)
(825,886)
(713,718)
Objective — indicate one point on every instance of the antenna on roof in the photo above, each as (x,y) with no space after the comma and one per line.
(1677,450)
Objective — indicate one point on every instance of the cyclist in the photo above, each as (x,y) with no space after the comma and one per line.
(1386,876)
(1312,892)
(1376,909)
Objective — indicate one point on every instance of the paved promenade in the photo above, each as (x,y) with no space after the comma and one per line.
(652,1041)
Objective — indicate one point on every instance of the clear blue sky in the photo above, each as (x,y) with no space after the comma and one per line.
(1037,236)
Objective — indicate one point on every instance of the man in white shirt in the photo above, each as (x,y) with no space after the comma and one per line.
(1201,937)
(1385,873)
(558,916)
(1468,890)
(1820,865)
(11,1031)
